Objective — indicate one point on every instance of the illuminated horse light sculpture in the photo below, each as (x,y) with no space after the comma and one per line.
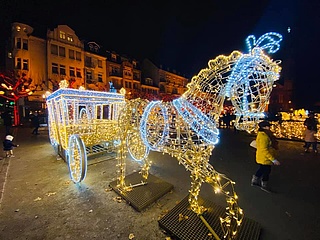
(186,127)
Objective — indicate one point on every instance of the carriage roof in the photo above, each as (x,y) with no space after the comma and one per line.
(85,96)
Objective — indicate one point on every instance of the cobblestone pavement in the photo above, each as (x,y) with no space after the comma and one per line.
(40,202)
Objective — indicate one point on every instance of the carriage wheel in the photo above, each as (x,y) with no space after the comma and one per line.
(77,159)
(136,148)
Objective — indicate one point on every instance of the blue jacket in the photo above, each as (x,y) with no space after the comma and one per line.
(8,145)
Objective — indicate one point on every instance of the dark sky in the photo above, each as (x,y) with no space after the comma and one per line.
(184,35)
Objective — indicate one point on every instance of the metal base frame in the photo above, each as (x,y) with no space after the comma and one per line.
(183,224)
(142,196)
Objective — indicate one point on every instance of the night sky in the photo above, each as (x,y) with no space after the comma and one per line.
(184,35)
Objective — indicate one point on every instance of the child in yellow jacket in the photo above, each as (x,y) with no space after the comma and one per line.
(265,155)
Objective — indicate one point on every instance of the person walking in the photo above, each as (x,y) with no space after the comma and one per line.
(265,156)
(310,140)
(310,133)
(8,146)
(35,123)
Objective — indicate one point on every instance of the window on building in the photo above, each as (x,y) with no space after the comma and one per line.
(25,44)
(78,72)
(114,57)
(62,51)
(62,70)
(62,35)
(18,43)
(18,28)
(78,56)
(55,68)
(71,54)
(72,72)
(89,75)
(128,84)
(70,38)
(99,63)
(18,63)
(99,77)
(54,49)
(87,61)
(135,86)
(149,81)
(136,76)
(174,91)
(134,63)
(25,64)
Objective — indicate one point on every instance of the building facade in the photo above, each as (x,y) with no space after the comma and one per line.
(162,82)
(61,55)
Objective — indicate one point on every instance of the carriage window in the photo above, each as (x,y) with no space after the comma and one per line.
(98,111)
(106,112)
(83,114)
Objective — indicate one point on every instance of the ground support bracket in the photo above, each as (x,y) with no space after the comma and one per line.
(142,196)
(183,224)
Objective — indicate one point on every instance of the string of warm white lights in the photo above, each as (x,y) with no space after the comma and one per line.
(80,118)
(186,128)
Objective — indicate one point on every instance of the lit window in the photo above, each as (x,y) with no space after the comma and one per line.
(18,28)
(9,54)
(62,35)
(70,38)
(62,70)
(55,68)
(72,72)
(134,63)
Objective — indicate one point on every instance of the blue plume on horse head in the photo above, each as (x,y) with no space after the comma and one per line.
(270,41)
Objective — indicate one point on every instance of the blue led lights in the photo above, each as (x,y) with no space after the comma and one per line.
(199,122)
(156,146)
(250,83)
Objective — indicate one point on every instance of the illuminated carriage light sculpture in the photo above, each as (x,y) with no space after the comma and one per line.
(186,128)
(78,119)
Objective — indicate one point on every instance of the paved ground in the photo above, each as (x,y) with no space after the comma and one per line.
(40,202)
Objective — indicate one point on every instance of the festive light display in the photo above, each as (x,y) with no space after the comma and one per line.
(250,83)
(80,118)
(186,127)
(290,130)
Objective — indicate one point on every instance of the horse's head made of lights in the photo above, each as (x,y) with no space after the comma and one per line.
(252,78)
(246,79)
